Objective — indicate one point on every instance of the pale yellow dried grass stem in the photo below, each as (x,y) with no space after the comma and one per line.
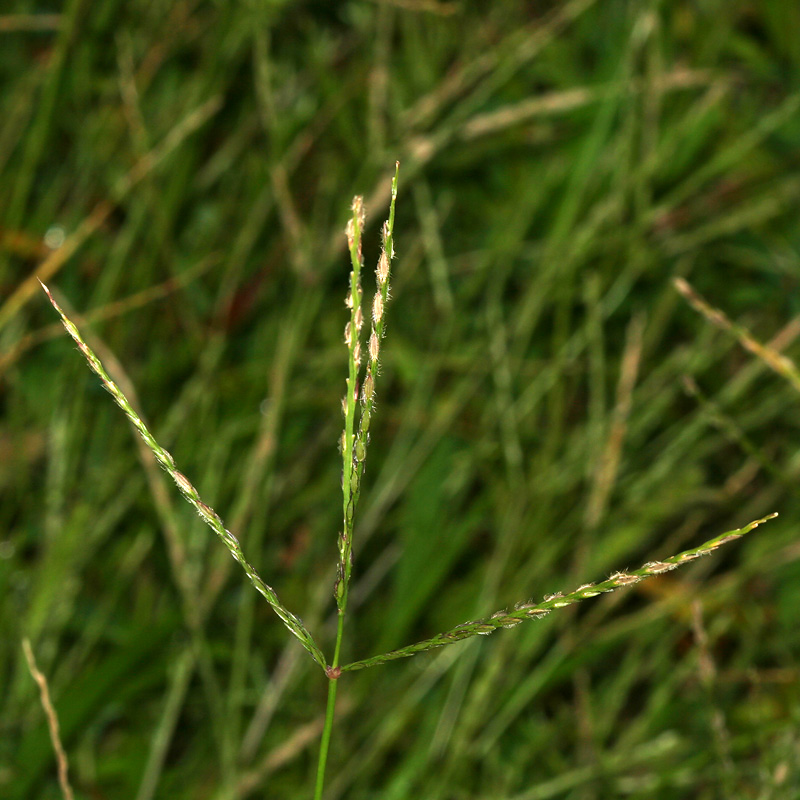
(52,721)
(776,361)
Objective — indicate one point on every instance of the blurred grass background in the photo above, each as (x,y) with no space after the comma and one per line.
(181,172)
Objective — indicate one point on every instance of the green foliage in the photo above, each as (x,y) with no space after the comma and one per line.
(561,166)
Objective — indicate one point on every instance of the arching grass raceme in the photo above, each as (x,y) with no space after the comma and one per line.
(207,514)
(358,405)
(523,611)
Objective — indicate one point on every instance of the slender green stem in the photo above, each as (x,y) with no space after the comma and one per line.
(333,672)
(326,737)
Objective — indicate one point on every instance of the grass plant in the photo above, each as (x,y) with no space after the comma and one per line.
(550,410)
(360,396)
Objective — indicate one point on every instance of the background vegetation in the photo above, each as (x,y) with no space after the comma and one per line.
(180,173)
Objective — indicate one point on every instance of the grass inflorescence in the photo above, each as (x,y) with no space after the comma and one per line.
(548,410)
(358,405)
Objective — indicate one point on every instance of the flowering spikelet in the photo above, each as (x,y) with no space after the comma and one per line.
(382,270)
(369,389)
(555,600)
(623,579)
(377,308)
(656,567)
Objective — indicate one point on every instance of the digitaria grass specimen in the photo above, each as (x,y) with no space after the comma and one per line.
(358,407)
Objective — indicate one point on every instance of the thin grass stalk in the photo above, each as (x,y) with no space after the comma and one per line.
(776,361)
(207,514)
(523,611)
(52,721)
(327,730)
